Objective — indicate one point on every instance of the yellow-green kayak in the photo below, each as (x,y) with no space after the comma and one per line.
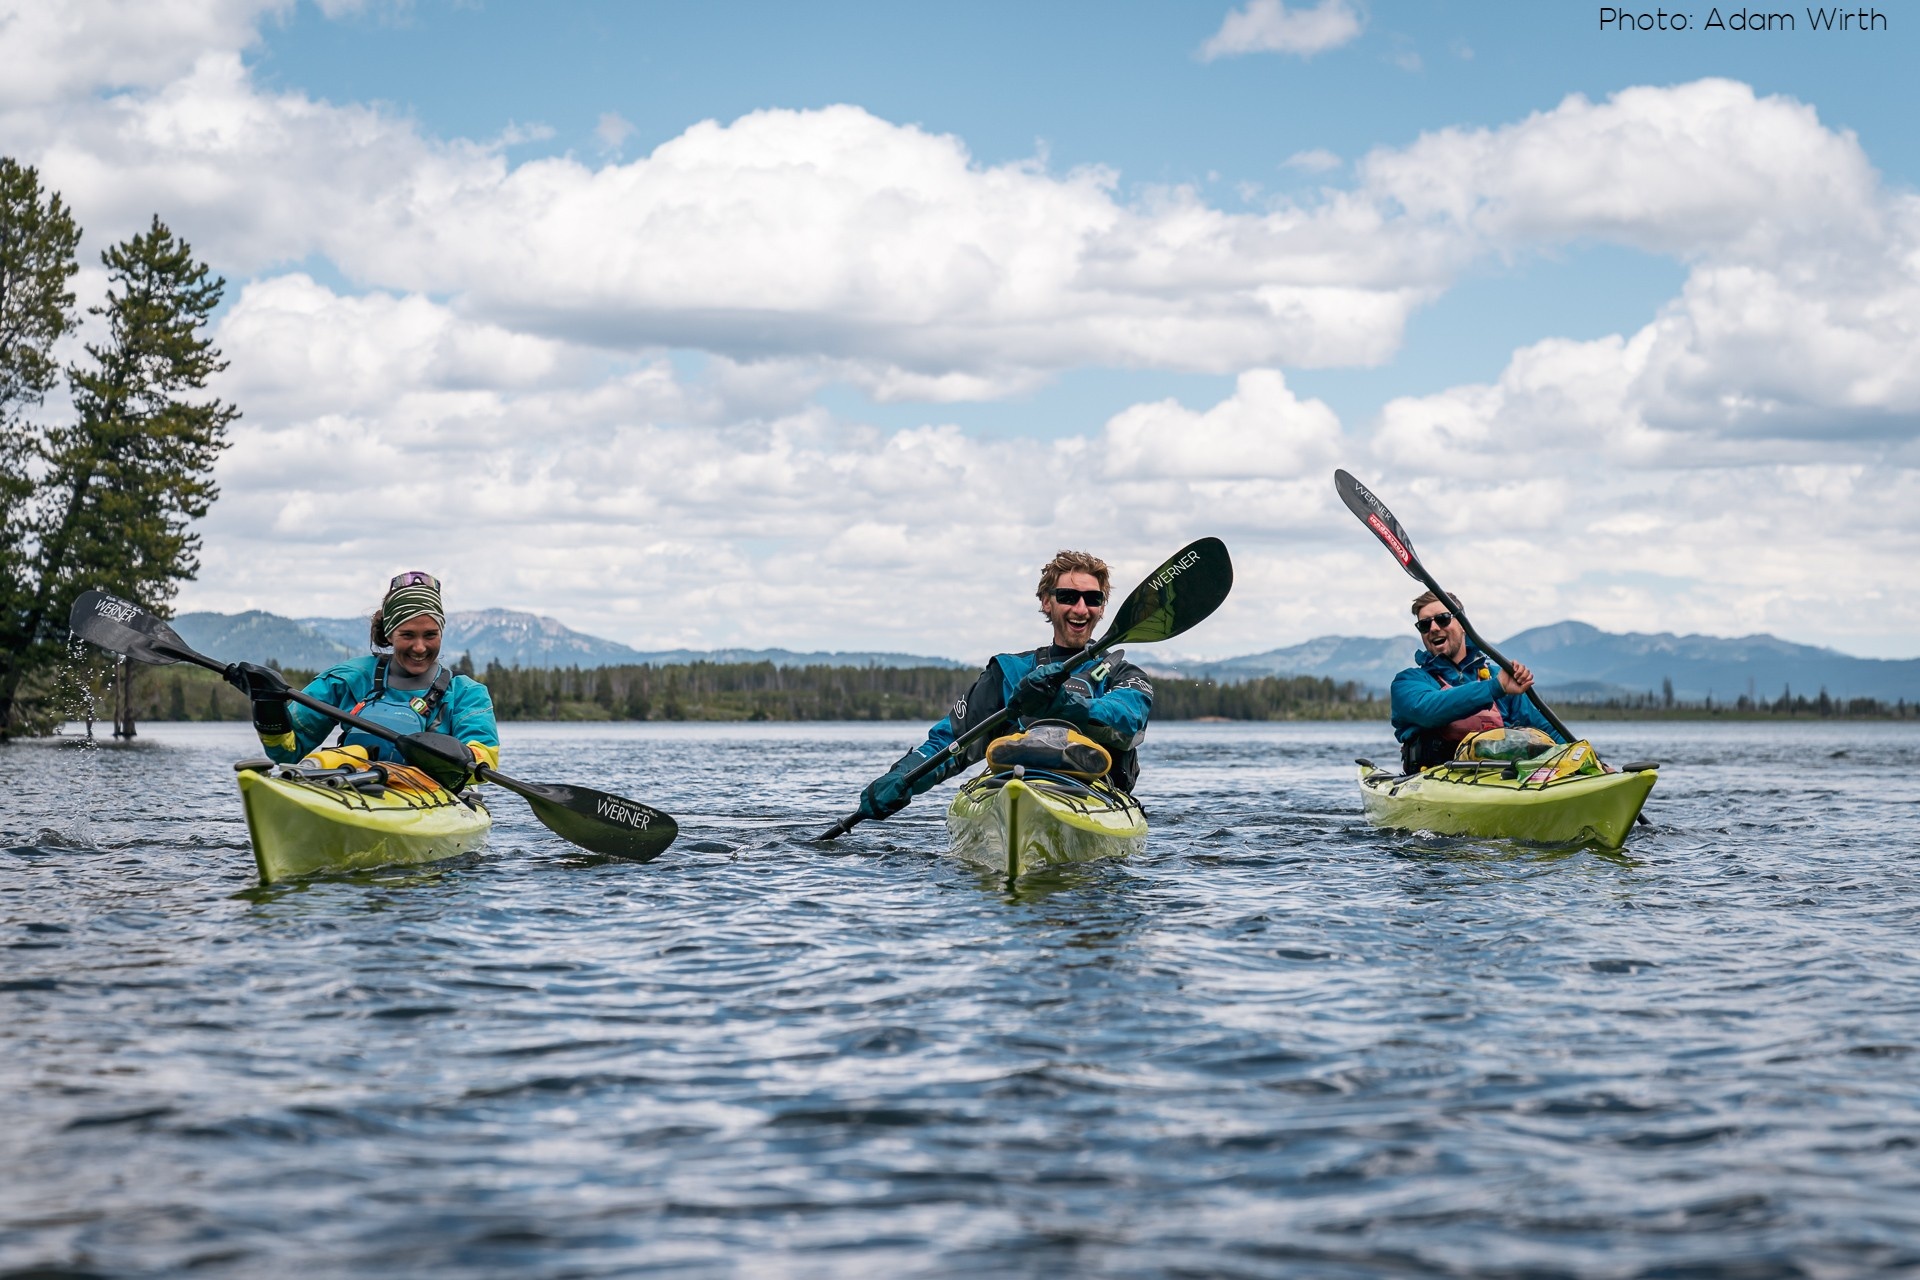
(1016,822)
(1484,798)
(304,822)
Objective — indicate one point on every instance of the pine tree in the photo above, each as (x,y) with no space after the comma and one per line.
(38,244)
(124,480)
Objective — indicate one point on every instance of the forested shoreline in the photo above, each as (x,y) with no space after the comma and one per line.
(760,691)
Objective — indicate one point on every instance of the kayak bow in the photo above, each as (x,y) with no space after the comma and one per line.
(306,821)
(1488,798)
(1017,822)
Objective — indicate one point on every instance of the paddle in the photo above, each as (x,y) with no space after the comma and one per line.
(1374,514)
(1176,596)
(594,820)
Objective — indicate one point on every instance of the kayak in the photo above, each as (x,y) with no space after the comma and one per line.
(1018,821)
(304,821)
(1491,798)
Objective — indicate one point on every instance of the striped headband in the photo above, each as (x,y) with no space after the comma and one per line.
(406,603)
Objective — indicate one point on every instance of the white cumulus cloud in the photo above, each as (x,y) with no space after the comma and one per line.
(59,50)
(491,389)
(1269,26)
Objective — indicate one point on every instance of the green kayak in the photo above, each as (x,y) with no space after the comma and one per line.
(1488,798)
(1022,820)
(305,821)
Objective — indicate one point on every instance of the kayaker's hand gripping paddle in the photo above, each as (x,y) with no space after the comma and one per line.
(594,820)
(1373,513)
(1179,594)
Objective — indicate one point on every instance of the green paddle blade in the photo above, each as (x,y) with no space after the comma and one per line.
(1175,597)
(595,820)
(125,629)
(1373,513)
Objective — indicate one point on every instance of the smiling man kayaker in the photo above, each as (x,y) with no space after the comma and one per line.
(407,689)
(1108,699)
(1454,690)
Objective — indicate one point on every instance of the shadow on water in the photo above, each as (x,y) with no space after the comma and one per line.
(1517,854)
(410,877)
(1047,882)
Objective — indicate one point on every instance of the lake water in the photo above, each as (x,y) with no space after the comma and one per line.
(1279,1043)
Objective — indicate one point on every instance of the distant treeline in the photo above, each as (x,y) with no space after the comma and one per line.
(762,691)
(1789,705)
(723,691)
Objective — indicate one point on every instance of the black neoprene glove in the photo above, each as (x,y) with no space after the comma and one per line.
(262,684)
(1036,689)
(1074,704)
(268,690)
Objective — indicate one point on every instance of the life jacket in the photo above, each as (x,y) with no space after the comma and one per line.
(1436,746)
(1091,683)
(418,714)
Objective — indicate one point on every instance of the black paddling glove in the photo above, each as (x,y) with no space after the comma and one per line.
(268,690)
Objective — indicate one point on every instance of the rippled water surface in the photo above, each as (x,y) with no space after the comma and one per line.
(1279,1043)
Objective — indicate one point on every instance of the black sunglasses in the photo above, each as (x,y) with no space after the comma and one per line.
(1440,620)
(1067,595)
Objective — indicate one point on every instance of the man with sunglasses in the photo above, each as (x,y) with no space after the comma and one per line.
(405,688)
(1454,690)
(1108,699)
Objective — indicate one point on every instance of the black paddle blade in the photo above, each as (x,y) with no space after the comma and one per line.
(594,820)
(1373,513)
(1176,596)
(125,629)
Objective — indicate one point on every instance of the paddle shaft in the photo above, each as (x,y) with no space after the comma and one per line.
(1533,695)
(485,772)
(960,744)
(1373,513)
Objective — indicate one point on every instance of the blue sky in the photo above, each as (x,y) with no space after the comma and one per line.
(938,290)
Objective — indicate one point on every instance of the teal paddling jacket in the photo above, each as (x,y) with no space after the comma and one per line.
(465,711)
(1432,696)
(1121,700)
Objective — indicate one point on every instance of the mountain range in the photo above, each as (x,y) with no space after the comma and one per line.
(507,636)
(1576,662)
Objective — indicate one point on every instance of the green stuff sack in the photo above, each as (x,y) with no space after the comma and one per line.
(1575,757)
(1053,746)
(1514,742)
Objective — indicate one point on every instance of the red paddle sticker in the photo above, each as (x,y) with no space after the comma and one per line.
(1385,535)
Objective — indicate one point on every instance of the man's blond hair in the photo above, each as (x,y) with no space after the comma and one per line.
(1426,598)
(1064,562)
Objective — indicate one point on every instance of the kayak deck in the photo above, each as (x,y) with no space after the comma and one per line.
(1475,798)
(1017,822)
(306,822)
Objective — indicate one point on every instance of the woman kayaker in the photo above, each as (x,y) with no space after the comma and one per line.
(1108,699)
(1454,690)
(406,688)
